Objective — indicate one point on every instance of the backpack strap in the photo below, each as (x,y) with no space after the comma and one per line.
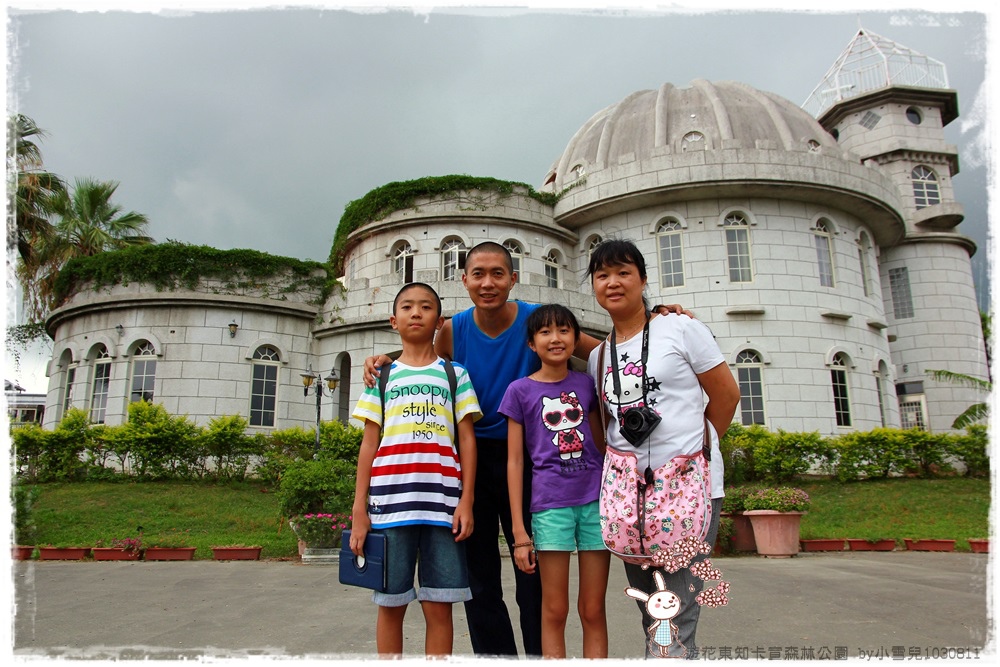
(598,381)
(383,383)
(449,369)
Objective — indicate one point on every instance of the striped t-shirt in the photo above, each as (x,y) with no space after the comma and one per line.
(416,476)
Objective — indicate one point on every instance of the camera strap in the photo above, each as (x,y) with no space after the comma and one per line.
(648,473)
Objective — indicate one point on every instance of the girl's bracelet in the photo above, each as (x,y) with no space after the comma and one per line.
(529,543)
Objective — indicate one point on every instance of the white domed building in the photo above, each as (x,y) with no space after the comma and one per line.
(820,246)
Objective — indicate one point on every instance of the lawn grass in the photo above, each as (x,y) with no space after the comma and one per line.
(206,515)
(952,508)
(171,513)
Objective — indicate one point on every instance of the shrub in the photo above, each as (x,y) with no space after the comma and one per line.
(23,497)
(783,456)
(60,460)
(226,442)
(284,448)
(28,444)
(972,449)
(870,455)
(735,498)
(738,446)
(317,486)
(162,445)
(928,451)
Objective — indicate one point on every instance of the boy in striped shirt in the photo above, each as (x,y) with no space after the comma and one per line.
(416,478)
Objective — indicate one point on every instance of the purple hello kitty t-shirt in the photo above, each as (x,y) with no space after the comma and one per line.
(555,417)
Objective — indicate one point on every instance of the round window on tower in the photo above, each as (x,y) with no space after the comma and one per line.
(913,115)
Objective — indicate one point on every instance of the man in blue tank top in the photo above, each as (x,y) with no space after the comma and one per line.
(490,341)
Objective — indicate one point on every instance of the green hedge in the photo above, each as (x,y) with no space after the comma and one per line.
(155,445)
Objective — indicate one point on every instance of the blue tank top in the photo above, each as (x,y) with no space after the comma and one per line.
(493,363)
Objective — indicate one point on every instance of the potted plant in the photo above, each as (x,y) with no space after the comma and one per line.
(732,505)
(775,513)
(236,552)
(876,544)
(167,550)
(320,532)
(127,548)
(929,545)
(823,544)
(979,545)
(62,552)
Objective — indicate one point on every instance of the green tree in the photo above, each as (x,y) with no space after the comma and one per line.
(977,411)
(28,218)
(88,223)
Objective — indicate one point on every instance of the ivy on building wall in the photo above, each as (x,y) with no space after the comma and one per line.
(396,196)
(173,265)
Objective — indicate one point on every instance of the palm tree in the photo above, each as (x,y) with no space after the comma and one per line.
(978,411)
(35,188)
(88,224)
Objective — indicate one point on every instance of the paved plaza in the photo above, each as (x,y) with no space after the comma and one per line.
(890,605)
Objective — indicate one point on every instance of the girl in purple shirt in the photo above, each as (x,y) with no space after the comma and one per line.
(552,415)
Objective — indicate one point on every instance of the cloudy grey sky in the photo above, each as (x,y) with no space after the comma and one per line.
(254,128)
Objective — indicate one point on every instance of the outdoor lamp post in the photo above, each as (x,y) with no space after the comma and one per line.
(308,378)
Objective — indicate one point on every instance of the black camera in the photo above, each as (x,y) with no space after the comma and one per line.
(636,424)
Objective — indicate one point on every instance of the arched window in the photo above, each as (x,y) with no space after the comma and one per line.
(264,386)
(824,253)
(452,258)
(864,251)
(551,261)
(402,261)
(102,380)
(592,244)
(748,371)
(143,372)
(516,253)
(67,393)
(925,187)
(668,235)
(738,248)
(841,399)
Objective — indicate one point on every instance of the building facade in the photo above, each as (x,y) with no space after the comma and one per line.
(821,247)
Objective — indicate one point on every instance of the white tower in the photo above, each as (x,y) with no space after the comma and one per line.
(890,105)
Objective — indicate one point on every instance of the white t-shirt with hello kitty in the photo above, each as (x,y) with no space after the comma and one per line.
(680,348)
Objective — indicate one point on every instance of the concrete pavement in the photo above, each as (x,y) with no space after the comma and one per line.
(830,605)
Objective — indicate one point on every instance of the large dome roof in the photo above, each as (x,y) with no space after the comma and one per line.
(705,116)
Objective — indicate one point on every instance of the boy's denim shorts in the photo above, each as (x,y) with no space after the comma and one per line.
(442,573)
(576,528)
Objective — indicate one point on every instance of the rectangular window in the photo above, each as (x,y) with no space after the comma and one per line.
(879,389)
(551,276)
(143,378)
(99,397)
(865,273)
(913,412)
(899,289)
(751,395)
(824,260)
(841,403)
(263,393)
(738,249)
(671,261)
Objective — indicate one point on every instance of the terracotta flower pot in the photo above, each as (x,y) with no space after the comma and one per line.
(979,545)
(236,553)
(872,545)
(21,553)
(170,553)
(63,553)
(822,545)
(930,545)
(114,553)
(776,533)
(743,537)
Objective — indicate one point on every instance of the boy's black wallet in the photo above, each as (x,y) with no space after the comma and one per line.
(366,571)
